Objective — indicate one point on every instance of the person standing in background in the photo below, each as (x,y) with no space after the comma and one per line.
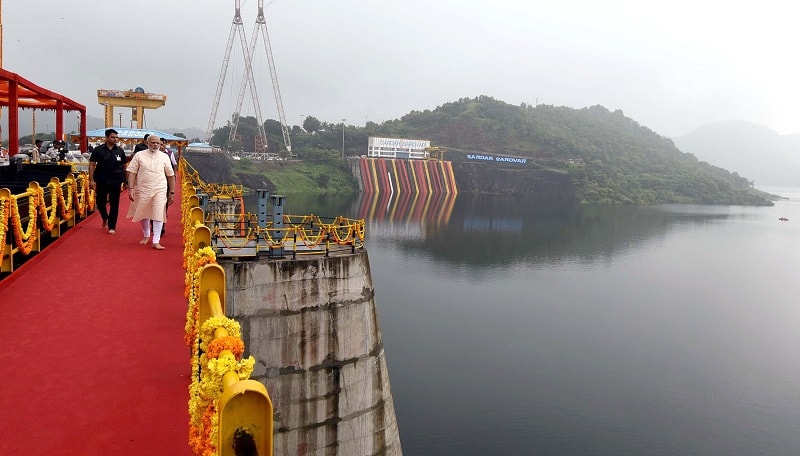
(106,175)
(36,151)
(174,163)
(141,146)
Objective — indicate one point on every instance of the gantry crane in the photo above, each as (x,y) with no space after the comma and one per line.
(248,79)
(137,99)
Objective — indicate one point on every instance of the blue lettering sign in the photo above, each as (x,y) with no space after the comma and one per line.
(521,161)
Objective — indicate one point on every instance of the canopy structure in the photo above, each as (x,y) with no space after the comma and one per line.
(135,135)
(202,147)
(17,92)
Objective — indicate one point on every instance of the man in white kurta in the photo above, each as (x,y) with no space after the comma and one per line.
(151,186)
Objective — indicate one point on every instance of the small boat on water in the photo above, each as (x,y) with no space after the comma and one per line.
(783,219)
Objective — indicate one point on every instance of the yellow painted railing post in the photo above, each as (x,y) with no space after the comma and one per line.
(245,419)
(201,238)
(245,408)
(212,278)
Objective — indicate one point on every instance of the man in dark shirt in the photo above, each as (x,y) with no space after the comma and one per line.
(106,175)
(142,145)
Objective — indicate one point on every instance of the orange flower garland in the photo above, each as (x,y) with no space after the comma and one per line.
(80,198)
(196,262)
(24,239)
(41,217)
(65,206)
(3,225)
(48,221)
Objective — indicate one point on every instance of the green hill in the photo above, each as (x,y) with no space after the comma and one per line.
(607,157)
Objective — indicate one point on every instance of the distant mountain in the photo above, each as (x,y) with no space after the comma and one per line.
(190,132)
(754,151)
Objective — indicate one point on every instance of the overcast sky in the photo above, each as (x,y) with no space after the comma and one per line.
(671,66)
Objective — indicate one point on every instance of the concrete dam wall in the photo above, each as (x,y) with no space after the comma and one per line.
(313,326)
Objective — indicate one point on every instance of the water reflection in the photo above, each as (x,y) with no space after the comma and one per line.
(517,326)
(481,230)
(484,230)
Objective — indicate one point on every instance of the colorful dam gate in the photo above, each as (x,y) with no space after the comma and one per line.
(393,176)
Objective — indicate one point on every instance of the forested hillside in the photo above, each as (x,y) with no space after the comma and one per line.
(607,156)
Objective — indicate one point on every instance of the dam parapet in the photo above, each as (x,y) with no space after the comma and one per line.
(313,326)
(301,289)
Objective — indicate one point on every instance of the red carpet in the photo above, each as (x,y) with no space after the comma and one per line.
(92,359)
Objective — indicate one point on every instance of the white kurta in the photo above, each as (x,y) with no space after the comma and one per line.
(150,188)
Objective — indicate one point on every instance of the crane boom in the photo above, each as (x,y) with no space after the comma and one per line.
(248,79)
(275,87)
(237,21)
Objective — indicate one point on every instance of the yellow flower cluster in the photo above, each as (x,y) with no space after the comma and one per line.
(206,387)
(194,265)
(4,202)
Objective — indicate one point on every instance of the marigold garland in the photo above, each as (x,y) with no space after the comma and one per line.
(41,216)
(25,239)
(48,221)
(211,358)
(80,198)
(3,225)
(64,206)
(196,262)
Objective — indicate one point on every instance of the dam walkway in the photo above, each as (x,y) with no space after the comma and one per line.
(93,359)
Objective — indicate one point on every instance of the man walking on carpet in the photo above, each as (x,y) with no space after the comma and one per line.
(151,186)
(106,175)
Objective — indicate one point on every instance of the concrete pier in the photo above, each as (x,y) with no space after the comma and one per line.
(312,324)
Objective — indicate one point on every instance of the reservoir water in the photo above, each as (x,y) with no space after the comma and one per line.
(517,327)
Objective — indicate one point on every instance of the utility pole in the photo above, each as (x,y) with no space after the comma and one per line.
(343,120)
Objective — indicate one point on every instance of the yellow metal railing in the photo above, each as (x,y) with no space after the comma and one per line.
(227,409)
(228,412)
(300,235)
(63,203)
(309,234)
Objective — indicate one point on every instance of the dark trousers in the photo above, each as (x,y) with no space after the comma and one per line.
(108,193)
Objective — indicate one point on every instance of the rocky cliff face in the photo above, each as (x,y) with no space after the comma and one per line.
(218,167)
(488,179)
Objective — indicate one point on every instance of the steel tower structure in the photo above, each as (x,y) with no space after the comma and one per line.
(248,79)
